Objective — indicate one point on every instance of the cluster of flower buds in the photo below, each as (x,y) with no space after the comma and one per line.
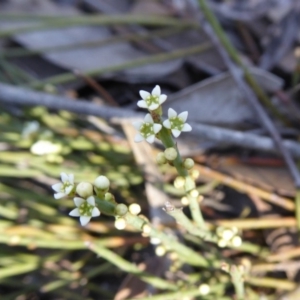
(150,126)
(84,195)
(228,237)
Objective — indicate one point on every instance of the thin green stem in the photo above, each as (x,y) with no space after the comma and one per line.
(191,292)
(157,58)
(186,254)
(132,37)
(100,20)
(167,141)
(126,266)
(184,221)
(237,277)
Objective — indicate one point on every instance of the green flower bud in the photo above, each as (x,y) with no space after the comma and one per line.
(160,158)
(179,182)
(109,197)
(188,163)
(84,189)
(121,209)
(102,183)
(170,153)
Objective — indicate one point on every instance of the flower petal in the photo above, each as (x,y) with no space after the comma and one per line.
(71,178)
(162,98)
(156,91)
(186,127)
(64,177)
(156,127)
(137,124)
(84,220)
(167,124)
(142,104)
(150,139)
(59,195)
(153,106)
(172,113)
(91,200)
(57,187)
(95,212)
(74,213)
(176,132)
(78,201)
(68,189)
(148,119)
(183,116)
(144,94)
(139,138)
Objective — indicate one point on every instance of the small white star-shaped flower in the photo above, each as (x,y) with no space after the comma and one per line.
(147,129)
(177,123)
(65,187)
(152,101)
(85,210)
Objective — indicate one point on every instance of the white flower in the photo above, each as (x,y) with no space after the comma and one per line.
(147,129)
(152,101)
(65,187)
(85,210)
(177,123)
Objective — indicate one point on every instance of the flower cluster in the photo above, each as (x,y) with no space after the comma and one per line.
(83,194)
(148,128)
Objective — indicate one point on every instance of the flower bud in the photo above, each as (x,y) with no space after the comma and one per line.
(120,223)
(134,208)
(160,250)
(204,289)
(121,209)
(236,241)
(102,183)
(194,193)
(170,153)
(160,158)
(109,197)
(179,182)
(84,189)
(188,163)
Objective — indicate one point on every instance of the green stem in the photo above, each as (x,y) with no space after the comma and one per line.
(106,207)
(62,22)
(157,58)
(184,221)
(167,141)
(131,37)
(186,254)
(238,282)
(126,266)
(190,293)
